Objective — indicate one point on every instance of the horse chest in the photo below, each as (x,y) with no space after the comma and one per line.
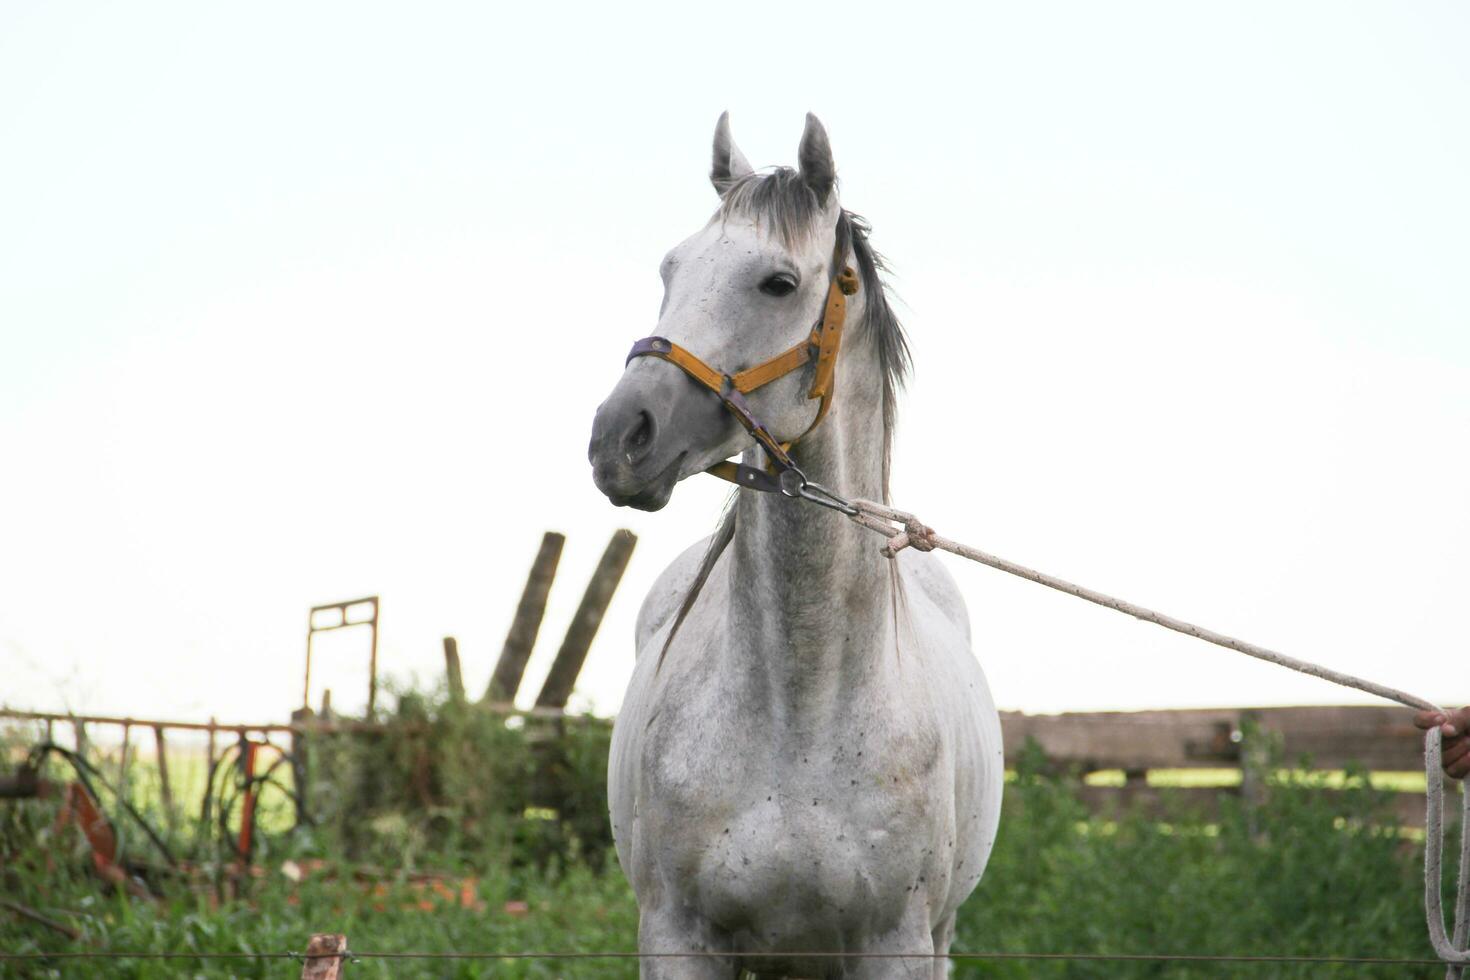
(796,851)
(838,827)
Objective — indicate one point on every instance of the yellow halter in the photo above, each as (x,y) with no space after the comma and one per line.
(822,345)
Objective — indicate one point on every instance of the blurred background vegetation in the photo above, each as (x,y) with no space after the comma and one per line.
(457,829)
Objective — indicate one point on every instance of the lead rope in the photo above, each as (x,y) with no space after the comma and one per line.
(905,531)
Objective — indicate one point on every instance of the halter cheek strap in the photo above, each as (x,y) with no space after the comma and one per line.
(822,346)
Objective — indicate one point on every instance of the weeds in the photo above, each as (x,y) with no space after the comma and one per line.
(1303,872)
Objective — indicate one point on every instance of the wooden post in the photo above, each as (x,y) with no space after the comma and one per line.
(451,670)
(165,788)
(1255,757)
(372,664)
(209,758)
(324,956)
(573,652)
(122,770)
(79,736)
(301,745)
(506,680)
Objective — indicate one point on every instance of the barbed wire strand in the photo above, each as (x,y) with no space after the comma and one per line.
(715,954)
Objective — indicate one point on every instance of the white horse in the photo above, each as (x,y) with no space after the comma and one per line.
(808,759)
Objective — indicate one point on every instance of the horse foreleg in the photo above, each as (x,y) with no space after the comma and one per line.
(943,939)
(661,933)
(913,937)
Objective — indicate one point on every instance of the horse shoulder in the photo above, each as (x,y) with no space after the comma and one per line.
(668,591)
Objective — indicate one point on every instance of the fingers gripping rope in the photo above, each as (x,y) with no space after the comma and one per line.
(903,530)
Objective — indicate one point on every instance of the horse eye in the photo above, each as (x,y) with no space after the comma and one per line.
(779,285)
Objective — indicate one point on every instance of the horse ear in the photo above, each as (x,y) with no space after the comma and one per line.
(729,163)
(815,157)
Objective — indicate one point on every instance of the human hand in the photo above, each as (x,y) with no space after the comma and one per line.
(1454,726)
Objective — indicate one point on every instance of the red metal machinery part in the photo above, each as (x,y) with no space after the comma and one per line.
(247,808)
(80,807)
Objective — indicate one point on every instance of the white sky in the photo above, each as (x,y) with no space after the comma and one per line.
(301,302)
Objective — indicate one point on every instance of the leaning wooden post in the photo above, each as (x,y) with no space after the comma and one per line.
(324,956)
(452,673)
(509,669)
(573,652)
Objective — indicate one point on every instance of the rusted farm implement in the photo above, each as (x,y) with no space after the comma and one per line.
(242,760)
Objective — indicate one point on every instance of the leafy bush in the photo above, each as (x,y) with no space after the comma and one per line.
(1306,872)
(465,785)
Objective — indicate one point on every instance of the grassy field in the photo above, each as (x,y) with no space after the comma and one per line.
(1305,873)
(1399,782)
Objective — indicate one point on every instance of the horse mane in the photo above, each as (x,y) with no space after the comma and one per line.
(781,202)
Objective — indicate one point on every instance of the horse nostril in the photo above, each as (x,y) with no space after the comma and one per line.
(643,432)
(639,438)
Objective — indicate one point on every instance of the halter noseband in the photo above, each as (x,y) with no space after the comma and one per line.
(822,345)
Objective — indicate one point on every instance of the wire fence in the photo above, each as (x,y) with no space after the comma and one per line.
(357,955)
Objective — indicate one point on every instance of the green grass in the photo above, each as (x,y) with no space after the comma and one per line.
(1307,873)
(1399,782)
(577,910)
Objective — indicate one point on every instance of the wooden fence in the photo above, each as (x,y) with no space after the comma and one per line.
(1380,739)
(1137,743)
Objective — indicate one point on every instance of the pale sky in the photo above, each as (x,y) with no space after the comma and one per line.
(300,302)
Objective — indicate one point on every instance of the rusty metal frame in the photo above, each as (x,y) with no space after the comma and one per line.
(312,629)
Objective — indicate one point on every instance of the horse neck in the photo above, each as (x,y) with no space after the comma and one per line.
(811,603)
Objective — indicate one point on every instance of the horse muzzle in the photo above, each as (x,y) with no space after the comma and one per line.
(634,463)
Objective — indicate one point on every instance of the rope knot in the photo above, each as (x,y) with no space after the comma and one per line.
(921,537)
(914,535)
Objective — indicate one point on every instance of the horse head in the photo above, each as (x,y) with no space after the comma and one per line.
(739,292)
